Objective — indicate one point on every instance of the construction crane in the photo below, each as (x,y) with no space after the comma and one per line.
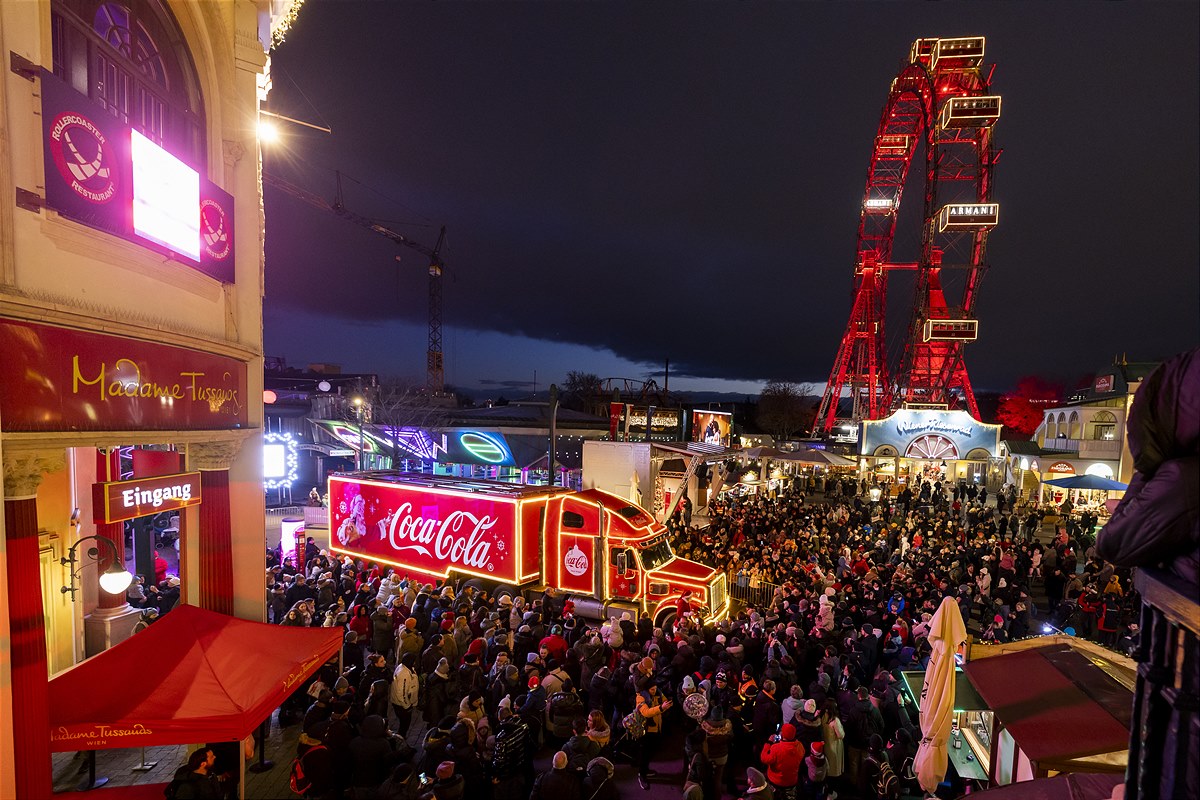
(435,375)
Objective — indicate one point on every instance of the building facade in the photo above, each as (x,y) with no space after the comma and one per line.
(131,280)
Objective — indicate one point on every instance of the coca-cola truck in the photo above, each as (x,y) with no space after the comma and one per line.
(608,554)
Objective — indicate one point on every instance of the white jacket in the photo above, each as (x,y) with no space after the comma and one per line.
(405,688)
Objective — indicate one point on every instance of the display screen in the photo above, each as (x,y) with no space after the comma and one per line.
(274,461)
(712,427)
(166,198)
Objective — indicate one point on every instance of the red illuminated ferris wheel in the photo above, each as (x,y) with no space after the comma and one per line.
(939,103)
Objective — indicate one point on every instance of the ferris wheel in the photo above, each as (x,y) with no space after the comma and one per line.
(940,102)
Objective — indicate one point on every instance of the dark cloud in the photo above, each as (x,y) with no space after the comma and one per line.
(684,181)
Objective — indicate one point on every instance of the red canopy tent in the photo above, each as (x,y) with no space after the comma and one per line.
(193,676)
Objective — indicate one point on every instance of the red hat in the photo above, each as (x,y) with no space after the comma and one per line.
(818,748)
(534,681)
(788,732)
(475,648)
(447,625)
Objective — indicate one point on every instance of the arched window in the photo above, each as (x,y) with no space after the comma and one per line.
(130,57)
(1104,426)
(1073,432)
(1051,427)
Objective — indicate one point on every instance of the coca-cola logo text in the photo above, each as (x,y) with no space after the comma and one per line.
(458,539)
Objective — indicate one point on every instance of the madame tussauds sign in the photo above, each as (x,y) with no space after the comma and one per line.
(60,379)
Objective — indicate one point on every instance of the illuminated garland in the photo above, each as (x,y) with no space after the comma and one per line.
(283,24)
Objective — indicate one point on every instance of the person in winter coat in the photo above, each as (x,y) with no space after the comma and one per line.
(757,787)
(834,734)
(792,704)
(465,755)
(808,724)
(448,785)
(439,694)
(782,755)
(403,694)
(862,722)
(1158,519)
(767,714)
(720,735)
(512,762)
(580,748)
(558,782)
(815,771)
(371,753)
(599,783)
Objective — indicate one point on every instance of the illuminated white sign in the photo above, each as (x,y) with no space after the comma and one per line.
(131,498)
(281,460)
(878,204)
(166,198)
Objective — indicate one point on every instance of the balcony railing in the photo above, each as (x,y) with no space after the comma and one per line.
(1164,742)
(1061,445)
(1100,448)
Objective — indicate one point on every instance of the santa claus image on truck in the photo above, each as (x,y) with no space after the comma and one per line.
(607,554)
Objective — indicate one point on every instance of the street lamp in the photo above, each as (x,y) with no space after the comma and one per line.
(114,580)
(358,409)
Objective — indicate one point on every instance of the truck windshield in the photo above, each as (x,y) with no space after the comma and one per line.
(656,552)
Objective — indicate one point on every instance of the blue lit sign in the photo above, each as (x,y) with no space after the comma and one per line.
(485,448)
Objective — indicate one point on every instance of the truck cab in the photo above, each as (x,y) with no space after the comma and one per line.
(640,571)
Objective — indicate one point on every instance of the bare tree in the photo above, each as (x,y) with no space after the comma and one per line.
(581,391)
(398,404)
(783,409)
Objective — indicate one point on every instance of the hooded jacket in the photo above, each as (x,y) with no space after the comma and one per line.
(1158,519)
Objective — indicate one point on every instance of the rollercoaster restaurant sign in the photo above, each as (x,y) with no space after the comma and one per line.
(59,379)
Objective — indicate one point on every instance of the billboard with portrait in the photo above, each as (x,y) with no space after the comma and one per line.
(712,427)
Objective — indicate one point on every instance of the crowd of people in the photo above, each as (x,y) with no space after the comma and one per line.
(448,692)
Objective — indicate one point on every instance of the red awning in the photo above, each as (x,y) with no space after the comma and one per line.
(193,676)
(1054,702)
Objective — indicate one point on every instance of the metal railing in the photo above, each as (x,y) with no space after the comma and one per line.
(759,596)
(1164,740)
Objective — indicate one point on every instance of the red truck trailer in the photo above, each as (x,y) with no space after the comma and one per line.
(608,554)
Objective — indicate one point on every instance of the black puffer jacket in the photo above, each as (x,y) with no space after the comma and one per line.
(1158,519)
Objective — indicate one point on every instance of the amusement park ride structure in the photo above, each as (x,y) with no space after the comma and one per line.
(940,100)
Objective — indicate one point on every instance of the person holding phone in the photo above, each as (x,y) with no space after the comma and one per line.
(783,756)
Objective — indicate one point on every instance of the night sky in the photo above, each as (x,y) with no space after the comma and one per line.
(625,183)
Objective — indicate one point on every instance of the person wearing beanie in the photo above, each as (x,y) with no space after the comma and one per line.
(757,787)
(448,785)
(816,769)
(783,756)
(438,690)
(557,783)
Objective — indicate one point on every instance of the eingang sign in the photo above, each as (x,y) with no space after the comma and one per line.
(121,500)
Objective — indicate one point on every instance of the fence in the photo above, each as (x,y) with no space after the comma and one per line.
(759,596)
(1164,740)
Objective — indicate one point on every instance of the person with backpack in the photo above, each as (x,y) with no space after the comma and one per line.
(880,781)
(312,775)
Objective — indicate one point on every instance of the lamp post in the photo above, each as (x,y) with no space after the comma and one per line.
(114,580)
(358,409)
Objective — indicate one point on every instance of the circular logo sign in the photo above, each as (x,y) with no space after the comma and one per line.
(576,561)
(214,231)
(83,157)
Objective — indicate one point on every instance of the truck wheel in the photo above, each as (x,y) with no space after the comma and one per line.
(665,619)
(477,583)
(504,590)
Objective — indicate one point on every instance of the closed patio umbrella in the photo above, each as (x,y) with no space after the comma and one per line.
(946,632)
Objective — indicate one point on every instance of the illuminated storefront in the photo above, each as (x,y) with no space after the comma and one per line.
(914,445)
